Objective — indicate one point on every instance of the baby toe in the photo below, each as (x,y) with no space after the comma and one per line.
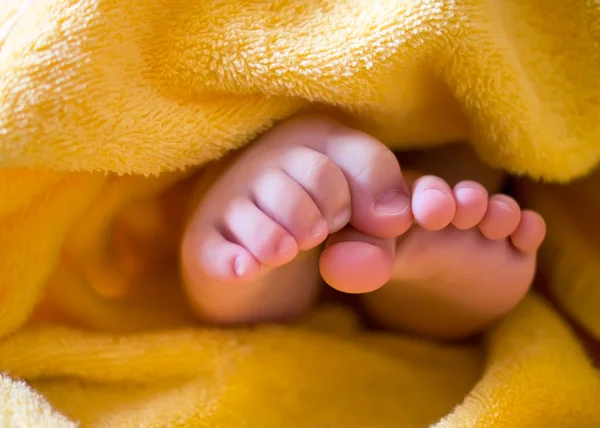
(530,232)
(322,181)
(471,204)
(245,224)
(285,201)
(433,203)
(501,218)
(207,254)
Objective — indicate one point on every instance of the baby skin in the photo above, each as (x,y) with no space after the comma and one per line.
(313,198)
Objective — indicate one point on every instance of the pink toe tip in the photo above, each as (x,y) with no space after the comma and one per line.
(241,266)
(467,194)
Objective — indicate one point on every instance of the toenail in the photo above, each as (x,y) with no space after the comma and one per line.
(392,202)
(466,193)
(341,219)
(240,266)
(434,193)
(319,228)
(506,204)
(286,244)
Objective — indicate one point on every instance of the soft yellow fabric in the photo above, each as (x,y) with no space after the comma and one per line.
(104,104)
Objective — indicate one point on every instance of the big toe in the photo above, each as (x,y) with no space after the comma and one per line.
(380,196)
(356,263)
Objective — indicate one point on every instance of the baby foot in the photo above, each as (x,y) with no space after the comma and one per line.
(303,180)
(494,227)
(470,259)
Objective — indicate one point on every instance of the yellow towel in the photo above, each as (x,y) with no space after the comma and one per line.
(105,104)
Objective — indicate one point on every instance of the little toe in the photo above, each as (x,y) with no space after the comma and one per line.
(356,263)
(433,203)
(245,224)
(209,254)
(471,204)
(530,233)
(285,201)
(501,218)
